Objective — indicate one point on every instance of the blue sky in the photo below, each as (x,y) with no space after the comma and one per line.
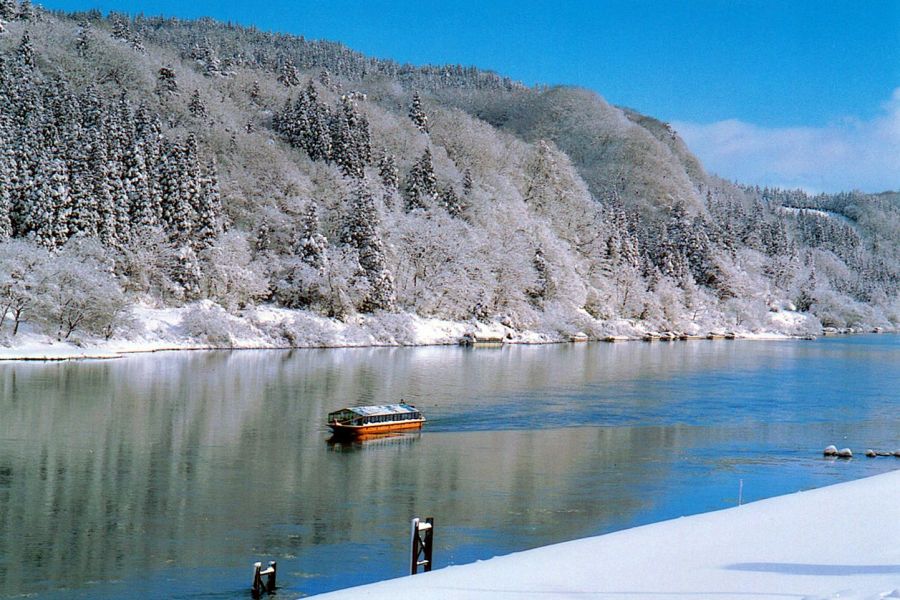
(732,75)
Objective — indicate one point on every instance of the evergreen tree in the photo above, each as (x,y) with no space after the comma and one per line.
(360,231)
(166,84)
(101,204)
(451,201)
(25,52)
(311,246)
(543,179)
(7,176)
(807,295)
(467,181)
(208,209)
(142,202)
(325,79)
(207,57)
(84,213)
(388,172)
(263,240)
(421,184)
(417,113)
(196,106)
(177,212)
(48,204)
(121,27)
(318,117)
(5,216)
(343,149)
(9,11)
(26,11)
(288,75)
(541,290)
(190,185)
(350,147)
(83,41)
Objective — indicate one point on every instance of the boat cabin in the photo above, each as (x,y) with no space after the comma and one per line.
(375,419)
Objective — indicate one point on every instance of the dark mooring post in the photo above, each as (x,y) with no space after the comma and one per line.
(258,573)
(421,541)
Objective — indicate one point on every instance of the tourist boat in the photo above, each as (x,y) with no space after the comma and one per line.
(367,420)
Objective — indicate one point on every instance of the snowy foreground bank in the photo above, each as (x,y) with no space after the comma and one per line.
(204,325)
(835,542)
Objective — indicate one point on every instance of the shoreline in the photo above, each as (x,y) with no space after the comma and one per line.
(67,352)
(829,542)
(206,326)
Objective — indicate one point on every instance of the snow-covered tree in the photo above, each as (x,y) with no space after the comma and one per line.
(83,40)
(208,209)
(417,113)
(9,10)
(544,282)
(79,292)
(196,106)
(467,182)
(421,183)
(232,278)
(451,201)
(25,52)
(166,82)
(361,232)
(388,172)
(288,75)
(22,270)
(208,58)
(311,245)
(177,210)
(303,282)
(26,11)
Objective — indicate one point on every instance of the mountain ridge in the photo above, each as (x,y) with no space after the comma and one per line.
(544,208)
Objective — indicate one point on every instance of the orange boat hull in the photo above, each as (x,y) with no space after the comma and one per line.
(375,428)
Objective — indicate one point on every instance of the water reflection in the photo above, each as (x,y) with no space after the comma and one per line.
(143,474)
(344,443)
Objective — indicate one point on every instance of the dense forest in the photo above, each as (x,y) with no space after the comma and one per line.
(165,162)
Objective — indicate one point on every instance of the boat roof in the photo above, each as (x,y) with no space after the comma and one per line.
(383,409)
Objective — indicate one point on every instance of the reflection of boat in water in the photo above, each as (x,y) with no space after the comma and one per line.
(361,421)
(343,443)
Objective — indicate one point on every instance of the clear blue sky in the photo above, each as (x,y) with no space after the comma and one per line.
(773,64)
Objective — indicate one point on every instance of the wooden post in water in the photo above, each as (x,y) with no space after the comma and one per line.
(421,542)
(257,588)
(270,577)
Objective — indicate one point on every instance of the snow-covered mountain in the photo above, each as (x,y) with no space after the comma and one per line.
(169,162)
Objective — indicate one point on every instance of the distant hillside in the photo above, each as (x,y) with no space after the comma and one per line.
(166,161)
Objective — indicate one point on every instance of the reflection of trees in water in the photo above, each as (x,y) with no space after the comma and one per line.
(209,458)
(196,457)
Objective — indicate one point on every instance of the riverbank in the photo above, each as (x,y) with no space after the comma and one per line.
(833,542)
(205,326)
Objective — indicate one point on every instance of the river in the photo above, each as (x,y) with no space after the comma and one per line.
(167,475)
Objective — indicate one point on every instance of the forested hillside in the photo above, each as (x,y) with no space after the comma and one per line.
(160,163)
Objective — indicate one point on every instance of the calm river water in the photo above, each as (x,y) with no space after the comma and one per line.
(168,475)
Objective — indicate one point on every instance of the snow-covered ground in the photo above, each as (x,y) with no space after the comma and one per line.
(820,212)
(204,325)
(835,542)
